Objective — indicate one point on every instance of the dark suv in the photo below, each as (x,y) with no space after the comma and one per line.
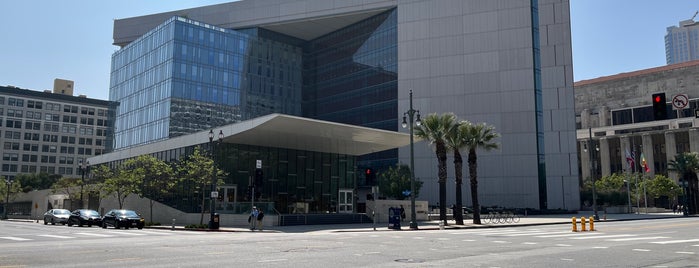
(82,217)
(122,218)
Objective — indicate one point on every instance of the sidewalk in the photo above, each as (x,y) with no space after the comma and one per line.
(531,220)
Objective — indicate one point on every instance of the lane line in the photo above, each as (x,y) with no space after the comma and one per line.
(685,252)
(95,234)
(641,249)
(602,236)
(57,236)
(637,238)
(675,241)
(14,238)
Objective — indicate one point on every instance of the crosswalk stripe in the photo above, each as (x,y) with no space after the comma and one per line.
(95,234)
(57,236)
(637,238)
(603,236)
(14,238)
(125,233)
(569,234)
(675,241)
(537,233)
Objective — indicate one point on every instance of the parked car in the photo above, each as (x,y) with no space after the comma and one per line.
(122,218)
(82,217)
(57,215)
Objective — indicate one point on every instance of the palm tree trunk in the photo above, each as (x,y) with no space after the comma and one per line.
(473,173)
(458,178)
(442,174)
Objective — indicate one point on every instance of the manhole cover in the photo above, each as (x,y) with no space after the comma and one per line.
(410,260)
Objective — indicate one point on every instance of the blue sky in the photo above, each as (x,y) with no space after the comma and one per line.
(72,39)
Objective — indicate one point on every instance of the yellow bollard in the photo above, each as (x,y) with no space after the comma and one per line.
(592,224)
(575,224)
(582,224)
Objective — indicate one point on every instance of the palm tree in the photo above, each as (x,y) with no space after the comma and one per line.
(434,128)
(478,136)
(455,142)
(687,165)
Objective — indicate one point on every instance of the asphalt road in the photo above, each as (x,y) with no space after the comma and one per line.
(643,243)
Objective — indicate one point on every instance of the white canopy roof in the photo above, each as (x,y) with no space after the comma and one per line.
(281,131)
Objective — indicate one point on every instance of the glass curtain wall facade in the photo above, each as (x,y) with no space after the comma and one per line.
(682,43)
(185,76)
(292,179)
(350,76)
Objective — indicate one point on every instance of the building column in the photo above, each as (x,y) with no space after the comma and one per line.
(585,160)
(670,152)
(585,118)
(605,161)
(624,145)
(648,153)
(693,140)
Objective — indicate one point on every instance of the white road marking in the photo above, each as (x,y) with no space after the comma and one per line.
(637,238)
(273,260)
(641,249)
(563,245)
(676,241)
(600,247)
(566,235)
(685,252)
(14,238)
(57,236)
(530,243)
(94,234)
(603,236)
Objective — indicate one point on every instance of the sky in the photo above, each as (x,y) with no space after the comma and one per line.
(42,40)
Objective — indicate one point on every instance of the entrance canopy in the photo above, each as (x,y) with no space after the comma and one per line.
(281,131)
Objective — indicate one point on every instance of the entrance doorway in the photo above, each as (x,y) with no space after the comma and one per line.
(346,201)
(226,199)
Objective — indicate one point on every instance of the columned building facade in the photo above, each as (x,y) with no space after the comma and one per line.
(615,116)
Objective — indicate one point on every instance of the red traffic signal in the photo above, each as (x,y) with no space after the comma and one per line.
(659,106)
(368,171)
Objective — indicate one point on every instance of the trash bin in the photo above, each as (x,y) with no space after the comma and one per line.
(394,218)
(215,222)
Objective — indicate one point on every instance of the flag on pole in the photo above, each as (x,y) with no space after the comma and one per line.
(644,164)
(630,160)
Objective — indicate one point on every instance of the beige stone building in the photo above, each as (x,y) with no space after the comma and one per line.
(614,114)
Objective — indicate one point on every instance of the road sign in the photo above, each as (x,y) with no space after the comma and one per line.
(214,194)
(258,164)
(680,101)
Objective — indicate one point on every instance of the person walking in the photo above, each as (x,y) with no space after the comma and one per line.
(252,219)
(402,213)
(260,216)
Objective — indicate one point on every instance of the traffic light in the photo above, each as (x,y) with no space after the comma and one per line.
(659,106)
(370,176)
(258,177)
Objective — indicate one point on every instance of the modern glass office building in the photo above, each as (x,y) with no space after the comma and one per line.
(682,43)
(505,63)
(185,76)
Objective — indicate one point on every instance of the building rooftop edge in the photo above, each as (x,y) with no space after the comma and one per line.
(636,73)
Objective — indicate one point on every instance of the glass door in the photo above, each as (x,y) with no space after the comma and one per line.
(346,200)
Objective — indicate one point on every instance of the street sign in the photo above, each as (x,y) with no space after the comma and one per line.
(214,194)
(258,164)
(696,113)
(680,101)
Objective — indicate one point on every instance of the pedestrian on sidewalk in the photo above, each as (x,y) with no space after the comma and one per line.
(402,213)
(260,216)
(252,219)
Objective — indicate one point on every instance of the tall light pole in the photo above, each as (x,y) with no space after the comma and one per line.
(8,184)
(411,113)
(592,175)
(84,167)
(214,178)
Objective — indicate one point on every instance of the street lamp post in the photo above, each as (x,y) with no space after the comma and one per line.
(628,195)
(84,168)
(214,175)
(411,113)
(8,184)
(592,175)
